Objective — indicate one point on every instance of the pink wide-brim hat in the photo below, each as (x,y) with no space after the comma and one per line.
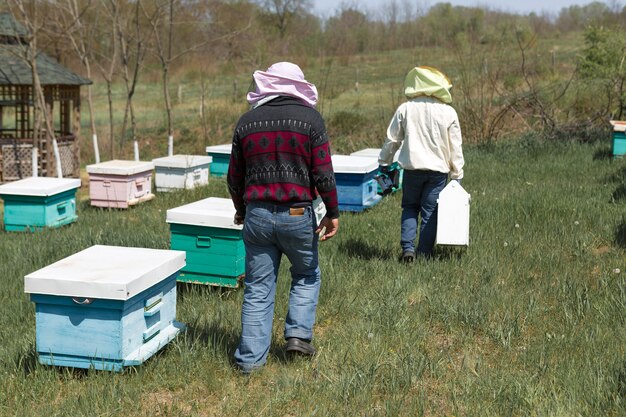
(282,79)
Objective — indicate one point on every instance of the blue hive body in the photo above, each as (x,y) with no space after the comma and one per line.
(89,318)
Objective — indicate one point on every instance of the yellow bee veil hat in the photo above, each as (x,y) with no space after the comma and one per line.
(427,81)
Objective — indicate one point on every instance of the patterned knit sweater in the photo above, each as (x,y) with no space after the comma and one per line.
(281,154)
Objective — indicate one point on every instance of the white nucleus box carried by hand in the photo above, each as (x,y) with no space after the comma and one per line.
(120,183)
(453,216)
(105,307)
(34,203)
(181,172)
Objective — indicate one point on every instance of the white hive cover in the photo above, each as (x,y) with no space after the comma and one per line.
(212,212)
(182,161)
(39,186)
(120,167)
(374,153)
(225,148)
(348,164)
(618,125)
(107,272)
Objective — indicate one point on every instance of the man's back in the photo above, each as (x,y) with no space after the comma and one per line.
(281,154)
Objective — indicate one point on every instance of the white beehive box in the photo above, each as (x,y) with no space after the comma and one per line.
(453,216)
(181,172)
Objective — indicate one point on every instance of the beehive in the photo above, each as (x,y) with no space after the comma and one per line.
(357,189)
(38,202)
(106,307)
(453,216)
(221,158)
(120,183)
(181,172)
(206,231)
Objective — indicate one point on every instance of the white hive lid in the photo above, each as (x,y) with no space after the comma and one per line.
(348,164)
(373,153)
(39,186)
(182,161)
(212,212)
(120,167)
(618,125)
(107,272)
(225,148)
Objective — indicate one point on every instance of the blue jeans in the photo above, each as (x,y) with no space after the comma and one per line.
(419,197)
(269,231)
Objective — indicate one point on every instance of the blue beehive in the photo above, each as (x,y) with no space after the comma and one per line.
(105,307)
(38,202)
(357,189)
(395,168)
(221,158)
(619,138)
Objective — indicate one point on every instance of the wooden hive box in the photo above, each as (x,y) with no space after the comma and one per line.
(214,244)
(106,307)
(357,189)
(181,172)
(453,216)
(38,202)
(395,169)
(221,158)
(119,183)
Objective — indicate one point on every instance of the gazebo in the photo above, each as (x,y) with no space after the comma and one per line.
(61,89)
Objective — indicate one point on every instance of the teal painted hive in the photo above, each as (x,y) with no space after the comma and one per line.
(35,203)
(395,169)
(619,138)
(105,307)
(357,189)
(221,159)
(213,242)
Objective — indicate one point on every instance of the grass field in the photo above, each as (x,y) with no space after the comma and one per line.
(529,320)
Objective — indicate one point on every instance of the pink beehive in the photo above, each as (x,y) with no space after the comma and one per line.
(120,184)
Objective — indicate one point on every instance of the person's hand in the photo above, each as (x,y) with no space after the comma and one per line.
(238,218)
(327,228)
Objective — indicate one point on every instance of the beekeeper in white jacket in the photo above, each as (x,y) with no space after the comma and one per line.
(432,152)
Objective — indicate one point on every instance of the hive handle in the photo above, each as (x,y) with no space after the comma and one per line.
(85,301)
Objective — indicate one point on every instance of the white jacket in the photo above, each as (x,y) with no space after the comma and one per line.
(431,134)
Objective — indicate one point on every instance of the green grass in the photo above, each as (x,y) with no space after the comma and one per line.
(529,320)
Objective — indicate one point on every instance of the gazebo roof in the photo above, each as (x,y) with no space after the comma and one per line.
(9,27)
(14,70)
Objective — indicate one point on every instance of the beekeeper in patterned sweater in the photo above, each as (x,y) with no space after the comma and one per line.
(280,160)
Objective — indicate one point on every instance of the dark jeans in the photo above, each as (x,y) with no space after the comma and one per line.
(419,197)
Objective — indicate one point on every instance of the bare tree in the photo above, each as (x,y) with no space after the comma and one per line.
(132,54)
(28,53)
(161,19)
(105,57)
(282,12)
(72,16)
